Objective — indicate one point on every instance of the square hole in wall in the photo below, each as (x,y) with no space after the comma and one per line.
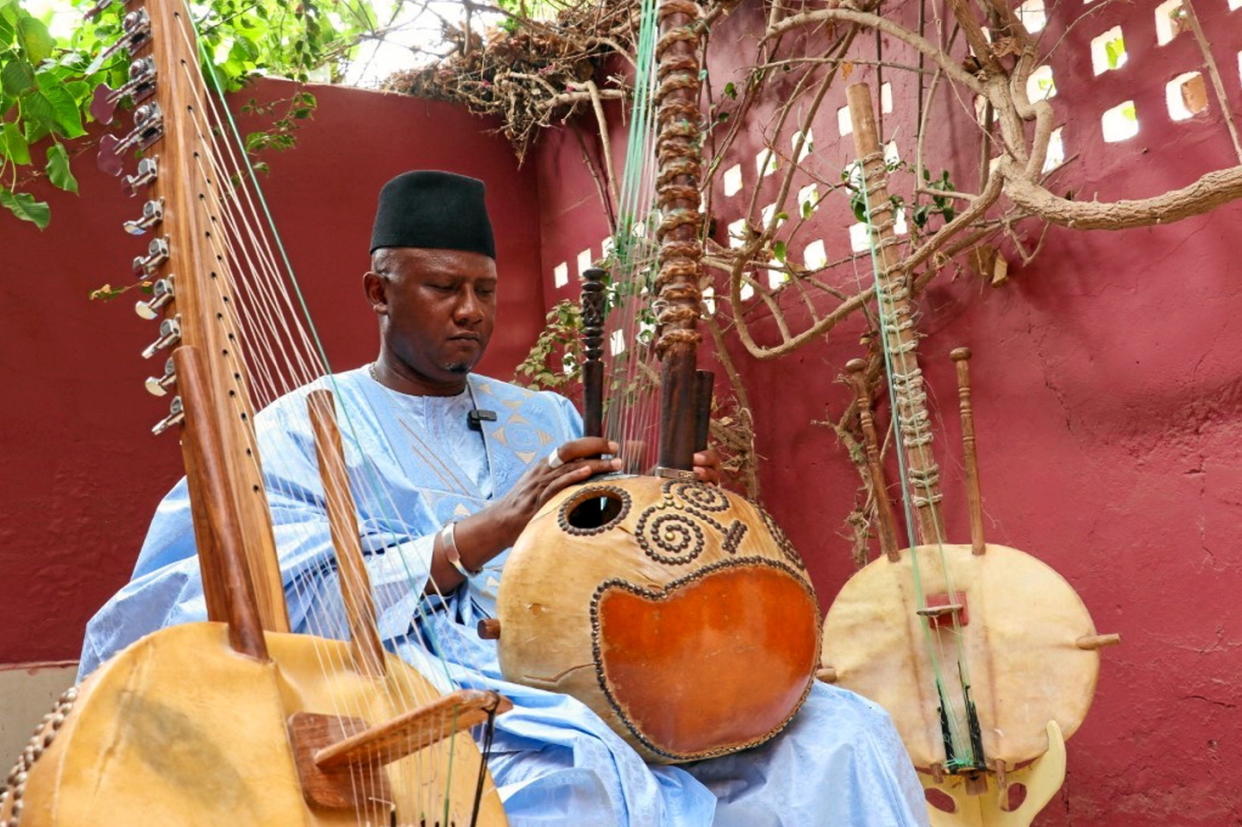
(777,278)
(844,125)
(746,291)
(814,256)
(1108,51)
(616,342)
(1120,123)
(768,213)
(733,180)
(1186,96)
(765,162)
(860,237)
(981,111)
(1235,4)
(606,246)
(852,174)
(560,274)
(584,261)
(891,156)
(886,98)
(1170,21)
(709,300)
(808,200)
(737,233)
(1056,151)
(808,145)
(646,331)
(899,223)
(1039,85)
(1032,15)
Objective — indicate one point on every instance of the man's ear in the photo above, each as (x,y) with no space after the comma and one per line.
(376,288)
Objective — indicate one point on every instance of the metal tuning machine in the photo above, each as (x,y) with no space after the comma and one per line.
(152,214)
(136,33)
(159,385)
(157,254)
(148,171)
(176,415)
(148,128)
(170,333)
(141,85)
(150,309)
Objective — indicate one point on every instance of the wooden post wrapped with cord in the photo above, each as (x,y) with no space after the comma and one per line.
(897,326)
(677,194)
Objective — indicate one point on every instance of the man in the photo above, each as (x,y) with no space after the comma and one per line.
(441,497)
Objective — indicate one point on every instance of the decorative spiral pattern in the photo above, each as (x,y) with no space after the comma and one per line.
(782,541)
(703,497)
(669,537)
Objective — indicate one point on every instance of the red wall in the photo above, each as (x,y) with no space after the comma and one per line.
(82,471)
(1108,399)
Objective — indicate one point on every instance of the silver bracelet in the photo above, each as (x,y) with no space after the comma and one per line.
(448,541)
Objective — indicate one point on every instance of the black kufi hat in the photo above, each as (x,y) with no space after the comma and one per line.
(439,210)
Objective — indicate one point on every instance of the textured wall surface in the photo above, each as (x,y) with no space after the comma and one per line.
(1108,392)
(82,471)
(1108,382)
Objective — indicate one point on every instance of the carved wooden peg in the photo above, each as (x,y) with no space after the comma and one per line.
(887,529)
(489,628)
(1097,641)
(826,674)
(961,357)
(593,351)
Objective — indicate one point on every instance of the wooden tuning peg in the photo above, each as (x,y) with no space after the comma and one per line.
(887,529)
(974,498)
(1097,641)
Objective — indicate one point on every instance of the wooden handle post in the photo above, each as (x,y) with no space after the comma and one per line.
(704,381)
(887,528)
(681,250)
(893,297)
(364,642)
(222,558)
(974,498)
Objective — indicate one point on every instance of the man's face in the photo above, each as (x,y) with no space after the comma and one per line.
(437,308)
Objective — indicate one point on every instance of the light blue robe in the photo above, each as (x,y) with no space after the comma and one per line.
(414,465)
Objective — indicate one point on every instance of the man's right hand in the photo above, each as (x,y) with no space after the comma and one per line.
(577,463)
(482,536)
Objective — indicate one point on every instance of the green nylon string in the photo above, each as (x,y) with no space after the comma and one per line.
(638,155)
(959,747)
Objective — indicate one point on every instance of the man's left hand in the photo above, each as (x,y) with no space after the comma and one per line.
(707,466)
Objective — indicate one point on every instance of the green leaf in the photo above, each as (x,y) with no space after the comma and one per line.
(35,39)
(808,207)
(779,250)
(730,90)
(17,76)
(61,108)
(24,206)
(15,146)
(58,171)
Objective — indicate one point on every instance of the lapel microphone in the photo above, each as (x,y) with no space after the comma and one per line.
(477,417)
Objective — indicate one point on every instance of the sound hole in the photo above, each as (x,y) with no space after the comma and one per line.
(593,510)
